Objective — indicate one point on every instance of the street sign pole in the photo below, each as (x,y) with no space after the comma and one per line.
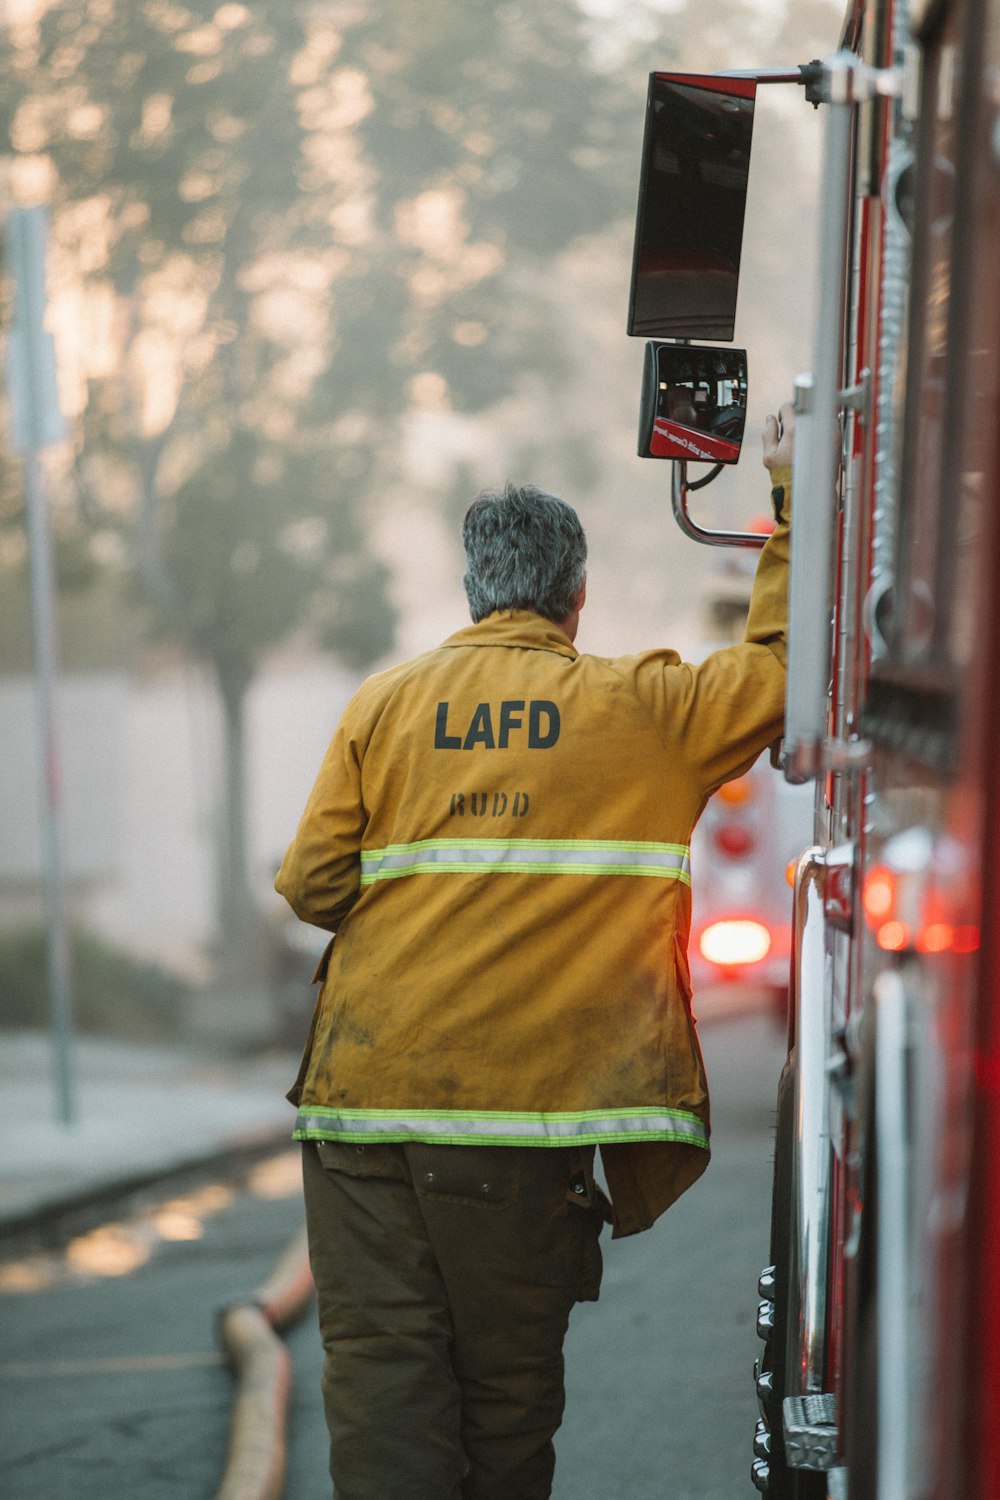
(36,422)
(43,614)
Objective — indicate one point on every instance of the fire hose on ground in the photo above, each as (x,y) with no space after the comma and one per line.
(250,1334)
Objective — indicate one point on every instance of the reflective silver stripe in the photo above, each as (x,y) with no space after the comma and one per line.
(501,1127)
(530,856)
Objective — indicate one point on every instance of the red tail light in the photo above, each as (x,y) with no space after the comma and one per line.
(735,942)
(734,839)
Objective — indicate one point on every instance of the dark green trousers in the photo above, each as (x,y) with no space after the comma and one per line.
(445,1277)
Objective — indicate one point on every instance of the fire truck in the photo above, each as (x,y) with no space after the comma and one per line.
(878,1369)
(746,839)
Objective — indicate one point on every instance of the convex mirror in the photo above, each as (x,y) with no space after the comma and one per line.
(694,403)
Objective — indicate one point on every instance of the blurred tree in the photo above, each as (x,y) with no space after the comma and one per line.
(290,224)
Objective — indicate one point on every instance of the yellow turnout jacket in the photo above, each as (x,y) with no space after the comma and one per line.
(499,837)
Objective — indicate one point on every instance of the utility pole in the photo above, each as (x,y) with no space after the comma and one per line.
(35,423)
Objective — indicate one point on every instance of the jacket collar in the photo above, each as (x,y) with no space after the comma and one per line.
(517,628)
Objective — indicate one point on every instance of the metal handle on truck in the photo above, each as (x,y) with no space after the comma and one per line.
(811,1020)
(817,452)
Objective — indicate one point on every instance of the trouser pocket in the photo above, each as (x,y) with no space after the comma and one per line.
(480,1176)
(379,1159)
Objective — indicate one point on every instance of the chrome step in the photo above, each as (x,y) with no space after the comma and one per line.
(810,1431)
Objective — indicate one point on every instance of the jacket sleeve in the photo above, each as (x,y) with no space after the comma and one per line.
(723,712)
(767,619)
(320,874)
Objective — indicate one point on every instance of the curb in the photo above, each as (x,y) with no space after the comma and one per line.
(61,1218)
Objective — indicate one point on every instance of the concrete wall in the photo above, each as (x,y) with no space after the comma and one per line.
(141,770)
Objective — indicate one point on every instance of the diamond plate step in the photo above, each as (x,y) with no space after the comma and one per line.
(810,1431)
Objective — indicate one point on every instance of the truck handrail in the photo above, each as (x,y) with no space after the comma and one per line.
(810,1017)
(817,444)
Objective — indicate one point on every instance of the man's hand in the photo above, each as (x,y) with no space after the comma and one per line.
(777,437)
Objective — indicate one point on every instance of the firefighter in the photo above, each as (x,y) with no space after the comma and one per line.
(498,838)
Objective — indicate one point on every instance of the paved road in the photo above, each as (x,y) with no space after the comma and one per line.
(660,1400)
(113,1386)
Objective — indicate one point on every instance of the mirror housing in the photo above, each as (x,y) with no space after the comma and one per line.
(694,403)
(692,201)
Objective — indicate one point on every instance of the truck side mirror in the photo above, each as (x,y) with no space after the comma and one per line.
(694,403)
(692,200)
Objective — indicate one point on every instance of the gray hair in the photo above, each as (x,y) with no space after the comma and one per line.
(525,550)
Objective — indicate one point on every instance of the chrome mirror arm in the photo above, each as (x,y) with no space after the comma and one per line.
(679,491)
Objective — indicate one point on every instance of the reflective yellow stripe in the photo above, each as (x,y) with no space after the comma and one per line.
(526,856)
(501,1127)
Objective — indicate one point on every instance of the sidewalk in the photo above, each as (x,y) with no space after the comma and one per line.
(141,1112)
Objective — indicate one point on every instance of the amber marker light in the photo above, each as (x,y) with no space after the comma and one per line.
(736,793)
(936,937)
(893,936)
(879,895)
